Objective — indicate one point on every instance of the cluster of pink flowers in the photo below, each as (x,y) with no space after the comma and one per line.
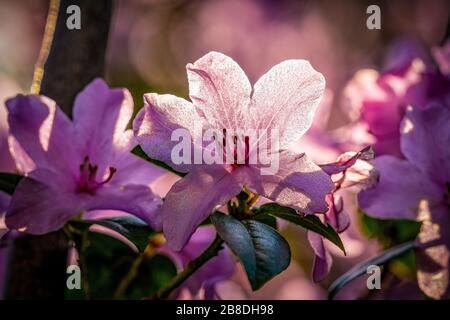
(84,164)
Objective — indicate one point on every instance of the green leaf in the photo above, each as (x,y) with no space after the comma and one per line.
(263,252)
(131,227)
(309,222)
(389,232)
(9,182)
(361,268)
(271,221)
(137,151)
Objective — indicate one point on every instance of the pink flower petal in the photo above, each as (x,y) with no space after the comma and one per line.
(299,183)
(399,191)
(100,118)
(322,259)
(193,199)
(43,131)
(220,91)
(425,141)
(134,199)
(40,209)
(155,123)
(286,98)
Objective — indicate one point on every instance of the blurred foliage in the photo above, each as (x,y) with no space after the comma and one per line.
(390,233)
(108,261)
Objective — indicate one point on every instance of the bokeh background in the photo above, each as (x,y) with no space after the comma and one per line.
(151,41)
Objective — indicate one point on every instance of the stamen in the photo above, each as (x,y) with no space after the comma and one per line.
(88,173)
(234,150)
(92,171)
(112,171)
(84,164)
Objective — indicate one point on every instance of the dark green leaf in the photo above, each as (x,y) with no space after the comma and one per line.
(131,227)
(9,182)
(309,222)
(267,219)
(137,151)
(153,274)
(263,252)
(361,268)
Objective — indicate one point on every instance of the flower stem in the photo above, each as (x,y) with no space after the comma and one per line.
(192,266)
(150,251)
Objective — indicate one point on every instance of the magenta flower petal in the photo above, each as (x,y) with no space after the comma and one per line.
(136,199)
(399,191)
(220,91)
(133,170)
(347,160)
(100,117)
(322,259)
(425,141)
(299,184)
(24,163)
(336,216)
(193,199)
(286,97)
(39,208)
(42,130)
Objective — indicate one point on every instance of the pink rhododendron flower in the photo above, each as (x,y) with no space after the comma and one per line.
(283,100)
(418,187)
(377,101)
(76,166)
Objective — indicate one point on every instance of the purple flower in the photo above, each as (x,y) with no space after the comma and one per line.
(283,100)
(76,166)
(378,100)
(418,187)
(203,282)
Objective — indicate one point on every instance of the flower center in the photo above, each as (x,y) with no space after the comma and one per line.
(239,157)
(87,182)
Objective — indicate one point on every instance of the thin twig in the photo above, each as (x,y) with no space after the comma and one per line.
(192,266)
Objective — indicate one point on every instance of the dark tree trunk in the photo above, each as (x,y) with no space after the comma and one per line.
(77,56)
(38,263)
